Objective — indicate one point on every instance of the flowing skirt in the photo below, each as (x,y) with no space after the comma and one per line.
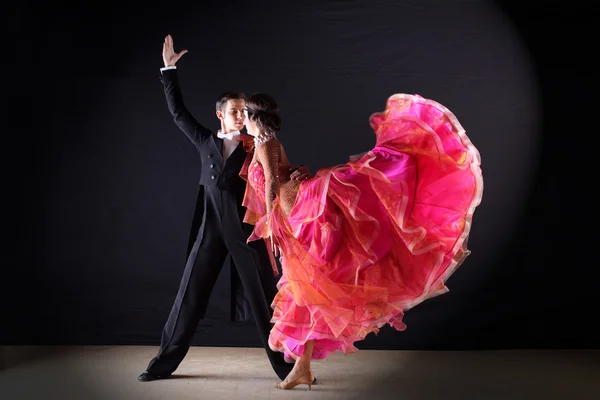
(367,240)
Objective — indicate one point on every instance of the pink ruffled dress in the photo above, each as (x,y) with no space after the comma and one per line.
(367,240)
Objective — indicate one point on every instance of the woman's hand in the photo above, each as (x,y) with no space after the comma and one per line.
(299,173)
(272,245)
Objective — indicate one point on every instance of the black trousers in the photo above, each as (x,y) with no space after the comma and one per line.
(221,233)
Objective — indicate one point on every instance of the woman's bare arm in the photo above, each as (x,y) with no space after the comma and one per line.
(269,155)
(284,160)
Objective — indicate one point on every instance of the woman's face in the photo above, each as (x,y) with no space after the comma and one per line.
(251,127)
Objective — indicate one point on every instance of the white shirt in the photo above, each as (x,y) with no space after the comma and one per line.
(229,145)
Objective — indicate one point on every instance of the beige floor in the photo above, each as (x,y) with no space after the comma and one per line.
(109,373)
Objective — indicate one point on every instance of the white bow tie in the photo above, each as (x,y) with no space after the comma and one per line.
(229,135)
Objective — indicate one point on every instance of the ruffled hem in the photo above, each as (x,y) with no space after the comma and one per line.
(370,239)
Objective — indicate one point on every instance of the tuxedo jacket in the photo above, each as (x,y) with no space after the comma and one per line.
(213,173)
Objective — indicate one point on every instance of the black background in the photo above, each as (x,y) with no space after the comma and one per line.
(99,184)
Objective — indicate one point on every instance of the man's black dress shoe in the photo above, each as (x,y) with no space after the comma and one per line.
(147,377)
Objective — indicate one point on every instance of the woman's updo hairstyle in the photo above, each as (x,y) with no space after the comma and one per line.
(264,110)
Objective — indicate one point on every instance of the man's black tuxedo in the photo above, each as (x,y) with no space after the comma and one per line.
(217,232)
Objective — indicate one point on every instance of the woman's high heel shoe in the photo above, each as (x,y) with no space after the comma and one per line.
(306,379)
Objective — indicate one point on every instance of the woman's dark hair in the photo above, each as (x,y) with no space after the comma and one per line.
(264,110)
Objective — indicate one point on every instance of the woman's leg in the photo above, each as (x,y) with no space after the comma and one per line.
(301,373)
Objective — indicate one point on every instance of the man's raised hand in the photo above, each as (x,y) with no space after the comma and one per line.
(170,57)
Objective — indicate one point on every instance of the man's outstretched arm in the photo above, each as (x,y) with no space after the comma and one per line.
(195,131)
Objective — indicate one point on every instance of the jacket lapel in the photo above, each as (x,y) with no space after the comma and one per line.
(218,143)
(237,157)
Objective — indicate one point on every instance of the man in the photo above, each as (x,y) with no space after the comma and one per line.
(217,232)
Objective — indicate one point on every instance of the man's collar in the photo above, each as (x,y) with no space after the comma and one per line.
(229,135)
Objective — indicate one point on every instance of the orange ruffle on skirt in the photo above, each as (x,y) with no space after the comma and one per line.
(370,239)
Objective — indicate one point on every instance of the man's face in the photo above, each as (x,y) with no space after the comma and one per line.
(232,115)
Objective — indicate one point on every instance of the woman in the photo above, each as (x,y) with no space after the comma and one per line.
(365,241)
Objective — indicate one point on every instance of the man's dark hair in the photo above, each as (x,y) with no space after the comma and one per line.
(225,97)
